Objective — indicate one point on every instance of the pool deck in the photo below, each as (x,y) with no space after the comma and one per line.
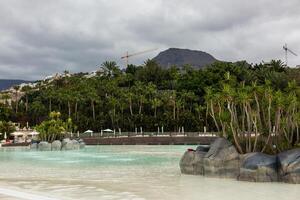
(167,139)
(24,144)
(151,140)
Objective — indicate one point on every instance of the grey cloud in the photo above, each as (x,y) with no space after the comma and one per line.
(38,38)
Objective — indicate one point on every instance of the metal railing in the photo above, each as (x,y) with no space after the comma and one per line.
(143,134)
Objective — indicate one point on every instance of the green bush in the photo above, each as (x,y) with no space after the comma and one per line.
(54,128)
(7,127)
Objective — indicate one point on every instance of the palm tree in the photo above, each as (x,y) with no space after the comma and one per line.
(245,99)
(5,97)
(172,99)
(122,103)
(199,110)
(277,65)
(93,98)
(77,97)
(188,98)
(110,68)
(50,94)
(26,89)
(155,104)
(89,93)
(228,96)
(140,91)
(16,88)
(130,97)
(268,94)
(113,102)
(210,98)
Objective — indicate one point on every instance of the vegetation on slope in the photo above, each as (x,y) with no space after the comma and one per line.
(237,99)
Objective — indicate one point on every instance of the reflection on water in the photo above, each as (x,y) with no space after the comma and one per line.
(122,172)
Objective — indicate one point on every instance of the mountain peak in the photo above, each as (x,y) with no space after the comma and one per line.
(180,57)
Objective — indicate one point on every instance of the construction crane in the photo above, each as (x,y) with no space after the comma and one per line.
(286,49)
(127,56)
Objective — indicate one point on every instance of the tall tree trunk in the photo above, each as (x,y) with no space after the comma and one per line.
(140,106)
(76,110)
(69,109)
(249,127)
(258,110)
(270,126)
(277,127)
(235,118)
(298,136)
(17,104)
(206,114)
(114,112)
(130,106)
(256,134)
(213,116)
(177,112)
(236,141)
(293,126)
(93,109)
(50,105)
(243,119)
(222,123)
(174,110)
(26,104)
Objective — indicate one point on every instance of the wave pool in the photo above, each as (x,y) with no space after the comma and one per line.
(120,172)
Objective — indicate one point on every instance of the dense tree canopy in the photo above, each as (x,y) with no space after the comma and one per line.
(232,98)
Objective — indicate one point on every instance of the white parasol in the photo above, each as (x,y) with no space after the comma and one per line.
(108,130)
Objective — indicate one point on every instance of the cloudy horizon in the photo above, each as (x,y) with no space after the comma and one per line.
(40,38)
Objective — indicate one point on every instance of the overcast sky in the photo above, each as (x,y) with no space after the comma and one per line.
(39,38)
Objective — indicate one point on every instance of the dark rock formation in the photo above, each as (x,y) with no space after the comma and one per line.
(75,144)
(56,145)
(198,163)
(82,145)
(65,141)
(192,161)
(187,163)
(203,148)
(258,167)
(289,166)
(68,144)
(34,146)
(180,57)
(222,160)
(44,146)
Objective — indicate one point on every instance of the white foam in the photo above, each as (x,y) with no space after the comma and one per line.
(23,195)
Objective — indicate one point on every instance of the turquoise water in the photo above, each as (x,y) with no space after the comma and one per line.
(120,172)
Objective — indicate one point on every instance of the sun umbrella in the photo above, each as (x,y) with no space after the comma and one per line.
(17,133)
(90,132)
(108,130)
(34,133)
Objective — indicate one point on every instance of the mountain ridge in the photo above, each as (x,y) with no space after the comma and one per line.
(180,57)
(7,83)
